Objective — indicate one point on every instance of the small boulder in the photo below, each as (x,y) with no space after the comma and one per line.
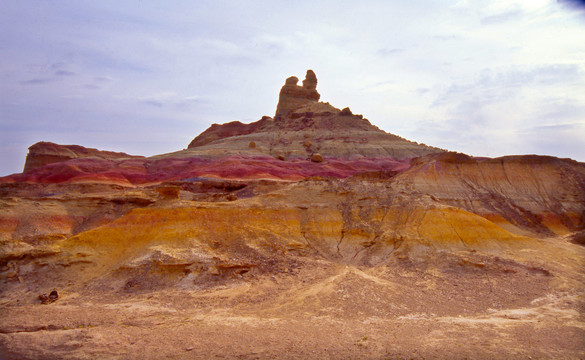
(51,298)
(252,145)
(316,157)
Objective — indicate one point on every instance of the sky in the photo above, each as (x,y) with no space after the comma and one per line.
(487,78)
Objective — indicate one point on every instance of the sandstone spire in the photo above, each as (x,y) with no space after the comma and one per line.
(293,96)
(310,82)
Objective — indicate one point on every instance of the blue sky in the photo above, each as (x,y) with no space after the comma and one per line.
(487,78)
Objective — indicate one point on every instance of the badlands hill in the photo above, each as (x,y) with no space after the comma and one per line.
(310,234)
(302,127)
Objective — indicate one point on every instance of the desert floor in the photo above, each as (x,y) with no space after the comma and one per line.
(451,306)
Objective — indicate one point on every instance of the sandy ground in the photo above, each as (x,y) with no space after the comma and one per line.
(313,310)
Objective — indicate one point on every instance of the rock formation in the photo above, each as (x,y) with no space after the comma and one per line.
(293,96)
(313,222)
(300,119)
(44,153)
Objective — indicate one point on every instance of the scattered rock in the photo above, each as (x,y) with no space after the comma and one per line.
(308,122)
(316,157)
(578,237)
(48,299)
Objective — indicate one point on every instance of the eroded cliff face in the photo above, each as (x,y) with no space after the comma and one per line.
(538,194)
(303,126)
(448,202)
(44,153)
(315,214)
(303,133)
(315,182)
(338,226)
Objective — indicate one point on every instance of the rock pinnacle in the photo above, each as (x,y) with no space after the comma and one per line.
(293,96)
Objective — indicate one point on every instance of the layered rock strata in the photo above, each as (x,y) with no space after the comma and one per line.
(315,214)
(44,153)
(449,201)
(302,127)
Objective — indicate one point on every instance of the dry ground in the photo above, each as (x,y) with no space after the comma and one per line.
(445,305)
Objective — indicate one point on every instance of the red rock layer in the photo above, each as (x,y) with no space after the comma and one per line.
(137,171)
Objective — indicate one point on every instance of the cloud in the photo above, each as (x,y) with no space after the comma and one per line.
(554,128)
(153,103)
(37,81)
(272,44)
(48,74)
(512,109)
(103,79)
(171,100)
(493,85)
(92,87)
(564,140)
(388,52)
(507,16)
(448,37)
(558,110)
(64,73)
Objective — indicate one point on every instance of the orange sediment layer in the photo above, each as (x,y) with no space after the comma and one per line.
(257,232)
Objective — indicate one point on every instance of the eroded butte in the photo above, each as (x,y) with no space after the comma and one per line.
(311,235)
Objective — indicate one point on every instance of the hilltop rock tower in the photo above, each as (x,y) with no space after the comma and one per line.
(293,96)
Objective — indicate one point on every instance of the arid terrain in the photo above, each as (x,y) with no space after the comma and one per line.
(308,235)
